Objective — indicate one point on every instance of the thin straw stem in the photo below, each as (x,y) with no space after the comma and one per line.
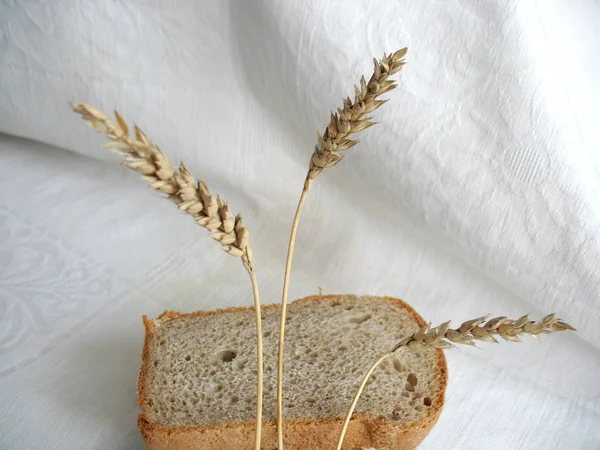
(259,359)
(357,396)
(284,297)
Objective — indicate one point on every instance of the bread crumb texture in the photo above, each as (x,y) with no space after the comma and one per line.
(200,369)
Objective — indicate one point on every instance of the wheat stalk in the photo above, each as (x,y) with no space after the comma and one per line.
(478,329)
(191,196)
(352,118)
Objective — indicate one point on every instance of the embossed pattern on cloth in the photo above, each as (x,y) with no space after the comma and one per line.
(48,289)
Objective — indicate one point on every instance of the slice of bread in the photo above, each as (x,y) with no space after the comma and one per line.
(197,385)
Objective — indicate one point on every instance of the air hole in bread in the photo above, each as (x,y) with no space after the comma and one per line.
(235,399)
(348,307)
(360,318)
(412,379)
(395,415)
(227,355)
(397,364)
(268,333)
(342,348)
(409,387)
(188,357)
(216,387)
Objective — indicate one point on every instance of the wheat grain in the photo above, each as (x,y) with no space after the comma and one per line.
(443,337)
(191,196)
(352,118)
(476,330)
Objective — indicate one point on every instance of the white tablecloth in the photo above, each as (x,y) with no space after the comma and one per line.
(479,191)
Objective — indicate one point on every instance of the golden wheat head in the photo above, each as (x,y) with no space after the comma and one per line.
(190,195)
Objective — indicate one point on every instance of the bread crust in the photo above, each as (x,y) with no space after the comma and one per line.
(364,430)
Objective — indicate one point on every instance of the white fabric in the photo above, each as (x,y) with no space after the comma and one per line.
(479,191)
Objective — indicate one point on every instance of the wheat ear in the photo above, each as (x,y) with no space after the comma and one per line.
(352,118)
(443,337)
(191,196)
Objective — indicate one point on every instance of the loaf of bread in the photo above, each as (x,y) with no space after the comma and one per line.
(197,384)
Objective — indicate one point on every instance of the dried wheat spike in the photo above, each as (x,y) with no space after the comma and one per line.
(190,195)
(478,329)
(353,117)
(443,337)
